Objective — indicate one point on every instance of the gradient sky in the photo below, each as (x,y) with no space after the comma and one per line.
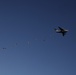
(32,45)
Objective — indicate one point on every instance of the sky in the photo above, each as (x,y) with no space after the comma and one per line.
(29,44)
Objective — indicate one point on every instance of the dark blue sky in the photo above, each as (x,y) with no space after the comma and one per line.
(24,25)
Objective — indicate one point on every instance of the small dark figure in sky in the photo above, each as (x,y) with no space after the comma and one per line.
(61,30)
(16,43)
(44,40)
(3,48)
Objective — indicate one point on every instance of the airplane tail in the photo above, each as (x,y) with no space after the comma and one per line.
(55,29)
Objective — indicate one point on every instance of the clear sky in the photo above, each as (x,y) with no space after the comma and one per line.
(32,45)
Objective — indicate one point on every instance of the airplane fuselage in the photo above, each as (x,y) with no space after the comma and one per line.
(61,31)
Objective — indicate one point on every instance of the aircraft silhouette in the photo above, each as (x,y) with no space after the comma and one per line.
(61,30)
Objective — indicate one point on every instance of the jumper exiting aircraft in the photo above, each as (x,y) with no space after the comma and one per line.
(61,30)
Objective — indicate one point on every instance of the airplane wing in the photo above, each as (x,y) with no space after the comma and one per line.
(60,28)
(63,33)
